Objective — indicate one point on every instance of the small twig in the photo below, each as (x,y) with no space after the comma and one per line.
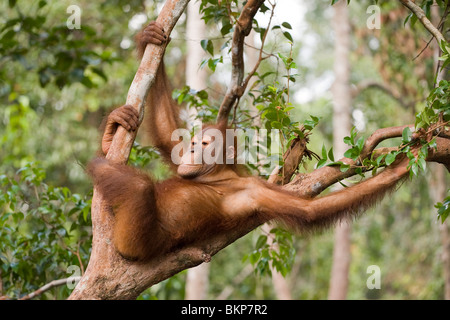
(250,118)
(434,129)
(226,292)
(267,55)
(48,286)
(425,48)
(77,253)
(235,110)
(260,58)
(439,27)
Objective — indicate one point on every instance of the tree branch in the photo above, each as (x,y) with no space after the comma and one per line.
(143,80)
(48,286)
(242,29)
(314,183)
(423,19)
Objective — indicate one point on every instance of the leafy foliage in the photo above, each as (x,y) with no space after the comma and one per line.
(443,209)
(43,231)
(67,56)
(279,254)
(438,105)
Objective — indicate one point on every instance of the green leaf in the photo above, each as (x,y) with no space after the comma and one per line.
(254,257)
(360,144)
(406,135)
(330,154)
(324,152)
(212,63)
(276,125)
(208,46)
(379,159)
(286,25)
(262,240)
(348,140)
(335,163)
(352,153)
(422,163)
(321,163)
(390,158)
(288,36)
(226,28)
(311,124)
(415,168)
(443,209)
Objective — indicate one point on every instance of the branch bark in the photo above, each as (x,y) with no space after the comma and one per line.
(143,80)
(242,29)
(414,8)
(314,183)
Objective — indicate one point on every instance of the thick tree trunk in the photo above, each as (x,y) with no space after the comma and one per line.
(341,127)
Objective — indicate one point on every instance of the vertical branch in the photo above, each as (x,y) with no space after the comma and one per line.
(144,79)
(242,29)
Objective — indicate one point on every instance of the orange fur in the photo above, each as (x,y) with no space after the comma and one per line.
(155,218)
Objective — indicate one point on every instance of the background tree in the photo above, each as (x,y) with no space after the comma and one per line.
(197,278)
(342,124)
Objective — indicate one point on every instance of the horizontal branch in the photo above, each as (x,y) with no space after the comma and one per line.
(380,135)
(314,183)
(48,286)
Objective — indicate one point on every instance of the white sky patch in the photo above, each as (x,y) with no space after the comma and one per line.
(137,21)
(293,12)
